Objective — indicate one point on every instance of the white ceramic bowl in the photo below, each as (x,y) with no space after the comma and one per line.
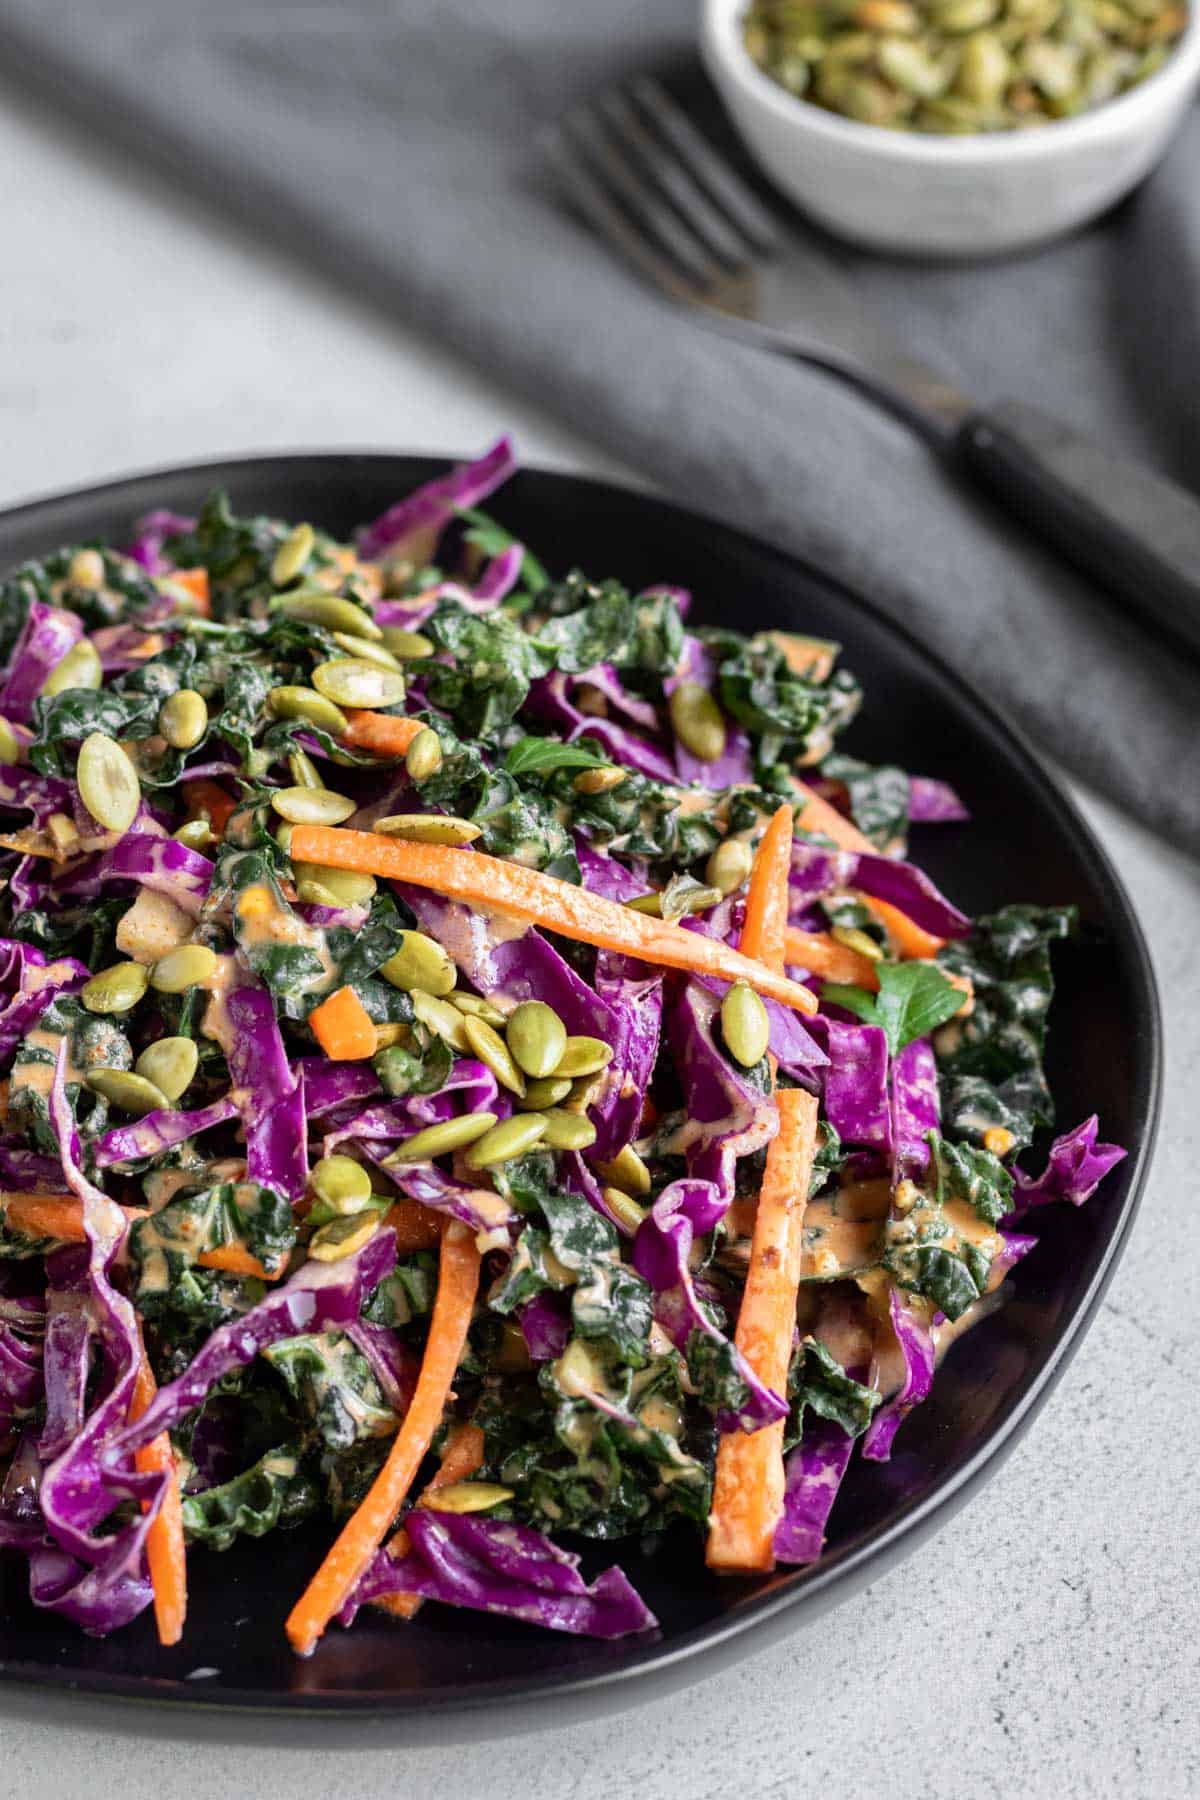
(920,195)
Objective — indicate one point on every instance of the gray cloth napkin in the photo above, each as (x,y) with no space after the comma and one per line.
(395,144)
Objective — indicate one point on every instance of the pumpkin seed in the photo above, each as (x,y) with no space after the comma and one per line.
(697,721)
(79,668)
(313,606)
(409,646)
(478,1008)
(366,651)
(599,781)
(541,1096)
(420,962)
(170,1064)
(349,681)
(283,837)
(854,939)
(347,886)
(183,968)
(494,1053)
(341,1183)
(86,569)
(681,897)
(423,758)
(745,1025)
(132,1093)
(429,828)
(303,770)
(512,1353)
(581,1095)
(305,703)
(10,748)
(583,1056)
(342,1237)
(391,1033)
(465,1497)
(627,1171)
(438,1016)
(510,1139)
(311,893)
(623,1208)
(439,1140)
(537,1038)
(567,1130)
(197,834)
(312,806)
(108,783)
(728,866)
(292,555)
(64,833)
(183,720)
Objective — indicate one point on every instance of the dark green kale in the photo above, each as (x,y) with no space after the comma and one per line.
(276,1491)
(406,1294)
(494,662)
(878,797)
(165,1247)
(975,1177)
(333,1382)
(818,1382)
(758,689)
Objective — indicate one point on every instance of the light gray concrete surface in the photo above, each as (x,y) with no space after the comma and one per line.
(1046,1644)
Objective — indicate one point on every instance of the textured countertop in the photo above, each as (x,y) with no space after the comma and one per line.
(1047,1643)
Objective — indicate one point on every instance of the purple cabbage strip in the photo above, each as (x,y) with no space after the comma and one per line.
(42,794)
(1013,1246)
(813,1474)
(816,871)
(68,1349)
(916,1342)
(470,1088)
(160,863)
(726,1117)
(32,983)
(25,1171)
(604,875)
(159,1131)
(790,1043)
(269,1097)
(546,1324)
(932,802)
(46,636)
(479,1208)
(495,1566)
(855,1082)
(550,698)
(328,1085)
(22,1338)
(393,1363)
(21,1525)
(1076,1166)
(151,533)
(662,1248)
(915,1109)
(411,528)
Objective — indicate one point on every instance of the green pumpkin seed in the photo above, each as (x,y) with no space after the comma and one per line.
(183,968)
(10,748)
(292,555)
(313,606)
(537,1038)
(312,806)
(745,1025)
(197,834)
(465,1497)
(342,1237)
(494,1053)
(512,1353)
(697,720)
(341,1183)
(423,758)
(311,893)
(581,1095)
(728,866)
(444,1020)
(420,962)
(108,783)
(429,828)
(306,703)
(583,1056)
(440,1140)
(479,1009)
(391,1033)
(365,651)
(183,720)
(541,1096)
(64,833)
(132,1093)
(511,1138)
(623,1208)
(681,897)
(79,668)
(170,1064)
(567,1130)
(351,682)
(347,886)
(86,569)
(409,646)
(117,989)
(854,939)
(627,1171)
(283,837)
(599,781)
(303,770)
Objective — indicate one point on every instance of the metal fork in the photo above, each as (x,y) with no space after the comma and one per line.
(657,191)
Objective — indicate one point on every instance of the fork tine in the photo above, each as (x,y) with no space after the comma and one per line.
(675,179)
(641,198)
(726,187)
(592,200)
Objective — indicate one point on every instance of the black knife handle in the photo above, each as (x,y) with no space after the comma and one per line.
(1136,533)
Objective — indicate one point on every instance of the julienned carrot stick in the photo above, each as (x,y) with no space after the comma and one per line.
(462,1456)
(541,900)
(765,927)
(166,1554)
(911,940)
(417,1227)
(361,1536)
(195,583)
(231,1259)
(387,734)
(822,955)
(343,1028)
(748,1491)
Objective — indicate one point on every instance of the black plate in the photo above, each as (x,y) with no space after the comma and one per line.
(1027,842)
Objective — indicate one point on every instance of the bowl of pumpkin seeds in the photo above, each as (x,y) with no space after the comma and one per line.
(954,127)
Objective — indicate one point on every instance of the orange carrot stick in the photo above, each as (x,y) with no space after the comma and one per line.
(195,583)
(822,955)
(206,797)
(343,1027)
(232,1259)
(748,1491)
(541,900)
(361,1536)
(417,1227)
(387,734)
(462,1456)
(165,1551)
(765,927)
(910,939)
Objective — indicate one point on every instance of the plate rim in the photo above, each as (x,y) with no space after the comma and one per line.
(762,1618)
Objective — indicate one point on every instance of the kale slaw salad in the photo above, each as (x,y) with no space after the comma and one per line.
(481,1070)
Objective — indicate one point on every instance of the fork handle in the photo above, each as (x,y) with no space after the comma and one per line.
(1134,532)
